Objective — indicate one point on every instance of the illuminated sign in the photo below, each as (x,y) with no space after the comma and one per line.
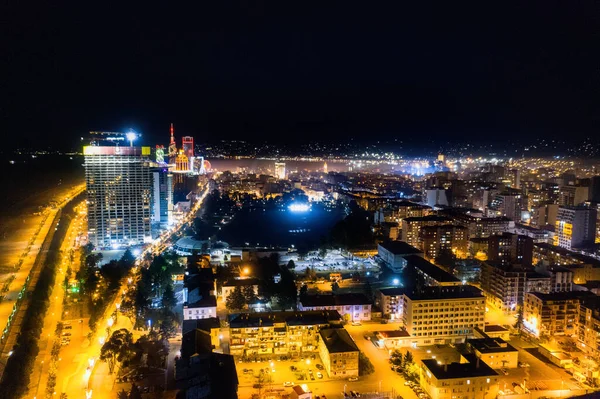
(106,150)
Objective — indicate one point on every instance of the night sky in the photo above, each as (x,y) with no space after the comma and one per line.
(294,71)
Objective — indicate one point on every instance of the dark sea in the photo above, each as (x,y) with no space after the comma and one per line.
(30,181)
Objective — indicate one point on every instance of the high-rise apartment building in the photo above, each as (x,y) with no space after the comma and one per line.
(280,170)
(162,197)
(411,227)
(187,143)
(510,248)
(573,195)
(575,227)
(450,238)
(119,194)
(504,285)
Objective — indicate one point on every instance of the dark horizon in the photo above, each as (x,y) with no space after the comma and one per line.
(290,74)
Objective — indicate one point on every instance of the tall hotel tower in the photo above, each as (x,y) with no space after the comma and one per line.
(119,195)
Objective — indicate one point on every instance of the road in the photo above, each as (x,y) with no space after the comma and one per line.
(40,372)
(40,230)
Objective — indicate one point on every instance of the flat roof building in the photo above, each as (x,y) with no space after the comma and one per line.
(339,353)
(469,379)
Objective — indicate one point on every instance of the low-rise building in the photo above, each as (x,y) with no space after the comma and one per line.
(231,285)
(393,339)
(431,274)
(469,379)
(352,307)
(201,309)
(441,315)
(390,302)
(202,373)
(495,352)
(339,353)
(279,333)
(392,253)
(211,325)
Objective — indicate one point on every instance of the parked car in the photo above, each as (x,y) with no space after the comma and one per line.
(288,384)
(356,323)
(504,371)
(320,366)
(319,375)
(352,379)
(367,338)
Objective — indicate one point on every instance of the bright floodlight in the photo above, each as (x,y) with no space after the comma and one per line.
(299,207)
(131,136)
(396,281)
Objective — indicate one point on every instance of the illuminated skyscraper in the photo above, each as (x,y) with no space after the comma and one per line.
(325,170)
(187,143)
(162,197)
(280,170)
(172,146)
(575,227)
(119,192)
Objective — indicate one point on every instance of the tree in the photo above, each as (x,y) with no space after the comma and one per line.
(365,367)
(447,259)
(368,291)
(168,297)
(310,274)
(335,287)
(168,325)
(249,294)
(123,394)
(291,265)
(127,258)
(287,292)
(135,392)
(397,359)
(303,290)
(408,359)
(236,300)
(118,348)
(519,323)
(323,252)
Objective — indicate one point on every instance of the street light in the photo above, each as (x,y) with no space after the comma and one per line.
(110,322)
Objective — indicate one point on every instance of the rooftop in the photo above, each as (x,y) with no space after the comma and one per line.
(474,368)
(241,282)
(310,301)
(209,301)
(337,340)
(393,334)
(399,248)
(562,296)
(491,345)
(300,318)
(429,218)
(430,269)
(201,324)
(392,291)
(453,292)
(494,328)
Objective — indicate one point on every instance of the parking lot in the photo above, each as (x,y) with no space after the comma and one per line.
(275,372)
